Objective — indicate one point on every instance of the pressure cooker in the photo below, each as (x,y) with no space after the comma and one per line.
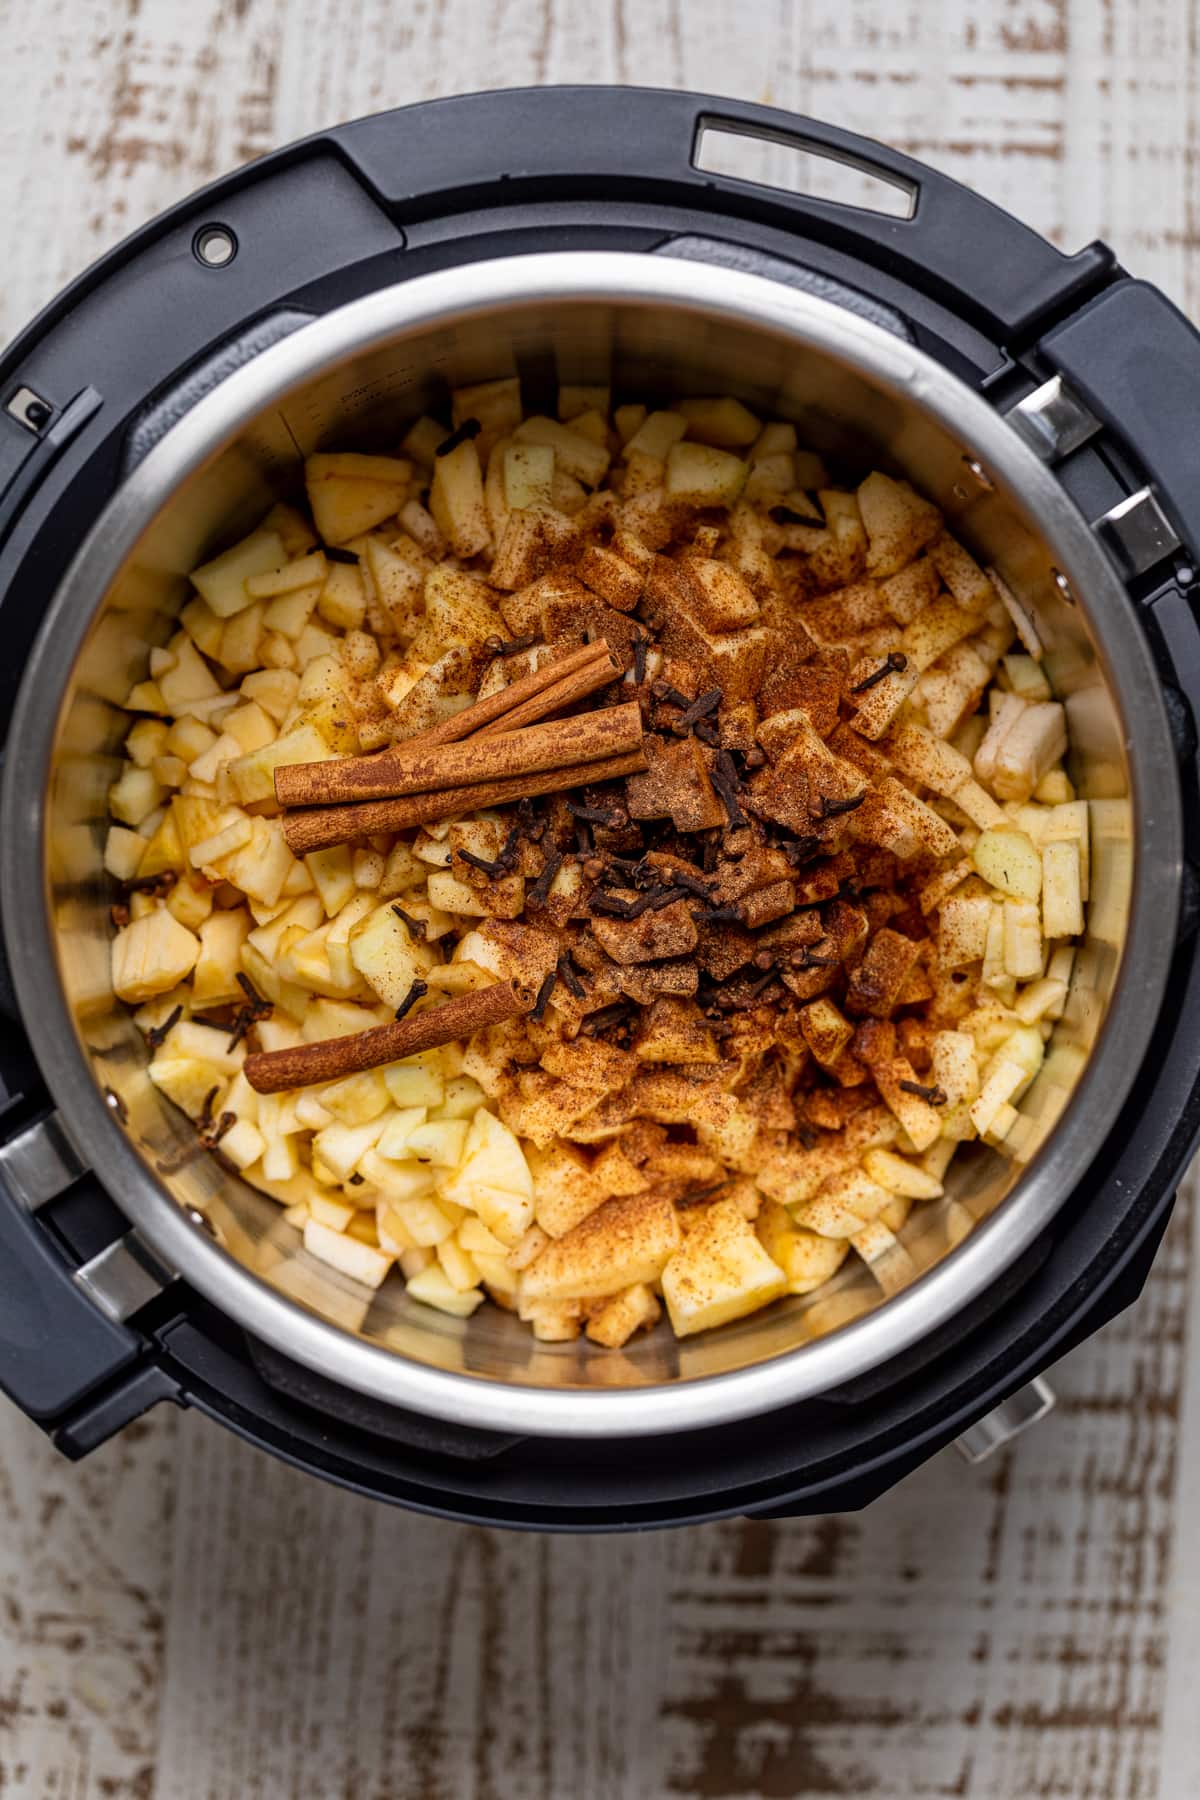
(321,298)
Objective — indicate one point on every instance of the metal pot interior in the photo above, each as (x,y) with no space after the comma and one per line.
(859,417)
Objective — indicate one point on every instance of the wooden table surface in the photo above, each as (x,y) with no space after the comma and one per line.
(183,1619)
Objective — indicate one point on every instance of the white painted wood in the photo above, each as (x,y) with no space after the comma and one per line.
(183,1619)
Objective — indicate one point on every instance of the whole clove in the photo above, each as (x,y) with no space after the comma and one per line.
(254,1009)
(568,977)
(935,1096)
(538,894)
(894,664)
(543,995)
(416,927)
(694,884)
(470,428)
(804,958)
(616,908)
(719,915)
(788,515)
(725,780)
(639,660)
(695,1195)
(499,646)
(613,816)
(158,885)
(663,690)
(157,1034)
(833,809)
(212,1137)
(487,865)
(700,708)
(600,1020)
(416,992)
(765,980)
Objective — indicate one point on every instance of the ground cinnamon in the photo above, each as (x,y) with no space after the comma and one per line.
(301,1065)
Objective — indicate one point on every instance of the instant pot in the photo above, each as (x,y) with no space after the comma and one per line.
(323,297)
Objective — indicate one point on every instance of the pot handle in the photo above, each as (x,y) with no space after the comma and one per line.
(613,143)
(56,1345)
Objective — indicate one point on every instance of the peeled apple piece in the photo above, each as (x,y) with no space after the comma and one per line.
(1009,860)
(150,956)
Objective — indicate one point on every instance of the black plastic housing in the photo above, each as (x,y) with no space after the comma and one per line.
(142,334)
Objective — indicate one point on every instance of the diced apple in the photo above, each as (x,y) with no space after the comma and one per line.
(806,1258)
(898,523)
(416,1082)
(387,955)
(1024,951)
(900,1176)
(1033,744)
(350,1257)
(961,574)
(495,404)
(433,1288)
(529,475)
(844,1203)
(123,852)
(655,435)
(214,978)
(625,1241)
(719,1273)
(704,476)
(1008,861)
(151,955)
(349,494)
(456,501)
(963,920)
(134,796)
(616,1321)
(574,453)
(462,1099)
(221,583)
(338,1147)
(438,1143)
(194,1086)
(1062,900)
(724,422)
(253,776)
(242,1144)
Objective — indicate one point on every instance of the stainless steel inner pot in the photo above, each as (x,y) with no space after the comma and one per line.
(653,326)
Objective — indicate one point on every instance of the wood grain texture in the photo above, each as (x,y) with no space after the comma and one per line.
(182,1619)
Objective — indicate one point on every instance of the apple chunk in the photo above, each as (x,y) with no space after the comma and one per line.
(719,1273)
(387,955)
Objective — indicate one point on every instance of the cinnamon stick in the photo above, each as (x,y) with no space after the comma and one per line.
(320,827)
(271,1071)
(565,692)
(558,743)
(517,693)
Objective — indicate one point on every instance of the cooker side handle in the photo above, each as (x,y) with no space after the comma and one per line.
(1135,360)
(555,143)
(56,1346)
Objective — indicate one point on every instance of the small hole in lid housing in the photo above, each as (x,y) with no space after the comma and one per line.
(215,246)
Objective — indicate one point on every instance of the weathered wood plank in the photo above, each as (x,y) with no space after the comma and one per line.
(85,1551)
